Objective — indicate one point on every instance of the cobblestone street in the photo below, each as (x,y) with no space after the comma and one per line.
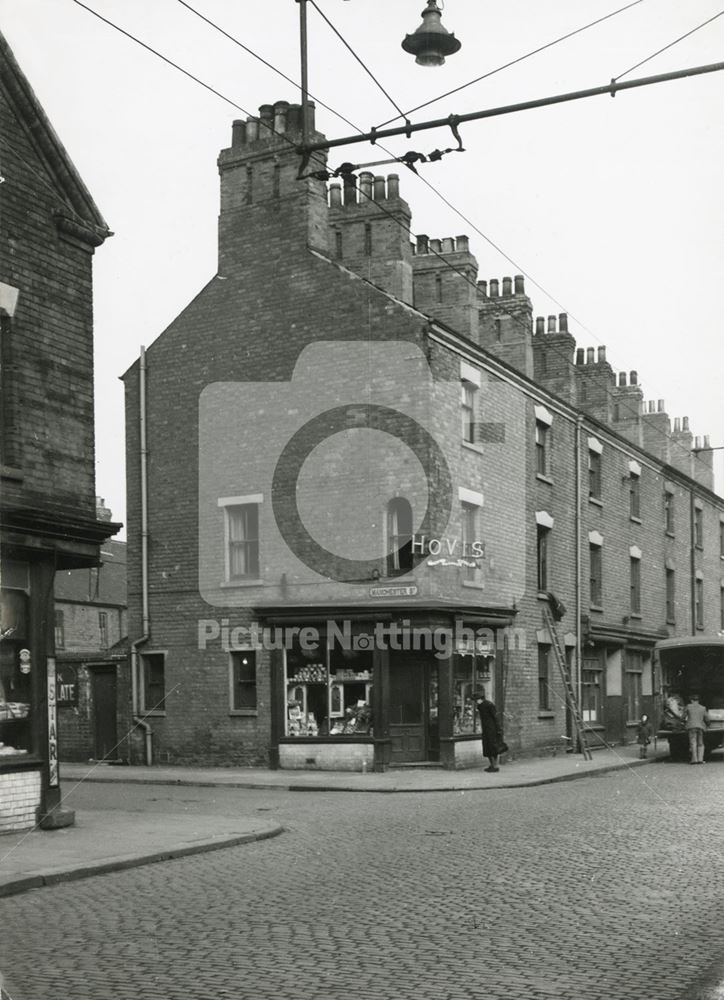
(563,891)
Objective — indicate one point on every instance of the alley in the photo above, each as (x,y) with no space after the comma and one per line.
(562,891)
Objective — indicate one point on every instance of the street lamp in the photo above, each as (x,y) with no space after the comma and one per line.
(431,42)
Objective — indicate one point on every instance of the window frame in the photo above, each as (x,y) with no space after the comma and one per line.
(393,556)
(543,560)
(542,448)
(698,528)
(230,505)
(468,399)
(635,585)
(103,629)
(634,493)
(146,685)
(595,473)
(670,583)
(699,602)
(669,512)
(235,681)
(633,685)
(544,677)
(59,628)
(595,593)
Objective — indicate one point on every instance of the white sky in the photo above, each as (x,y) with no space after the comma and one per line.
(615,206)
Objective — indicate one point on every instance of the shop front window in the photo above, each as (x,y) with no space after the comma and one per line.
(472,675)
(329,691)
(16,664)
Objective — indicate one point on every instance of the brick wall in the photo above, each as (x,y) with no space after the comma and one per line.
(19,800)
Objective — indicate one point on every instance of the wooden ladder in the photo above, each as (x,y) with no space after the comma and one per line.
(571,699)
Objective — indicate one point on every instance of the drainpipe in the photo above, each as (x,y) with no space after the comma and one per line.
(692,558)
(579,648)
(146,630)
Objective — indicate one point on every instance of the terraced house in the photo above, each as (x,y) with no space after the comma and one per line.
(355,472)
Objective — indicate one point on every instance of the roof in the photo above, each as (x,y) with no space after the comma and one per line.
(686,641)
(83,210)
(104,585)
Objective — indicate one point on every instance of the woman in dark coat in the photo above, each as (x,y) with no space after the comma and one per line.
(490,731)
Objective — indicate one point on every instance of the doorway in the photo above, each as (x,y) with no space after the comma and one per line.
(105,731)
(413,708)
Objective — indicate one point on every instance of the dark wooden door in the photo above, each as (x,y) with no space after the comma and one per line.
(406,707)
(104,713)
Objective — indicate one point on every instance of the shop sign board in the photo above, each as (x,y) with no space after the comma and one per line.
(52,725)
(67,686)
(406,591)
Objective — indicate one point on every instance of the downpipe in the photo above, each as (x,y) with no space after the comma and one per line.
(135,675)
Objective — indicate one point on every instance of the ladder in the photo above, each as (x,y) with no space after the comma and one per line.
(571,699)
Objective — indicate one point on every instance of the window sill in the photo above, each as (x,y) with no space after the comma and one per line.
(596,501)
(472,446)
(153,713)
(636,520)
(10,472)
(473,584)
(670,621)
(247,713)
(670,534)
(229,584)
(636,615)
(544,479)
(595,607)
(546,715)
(542,595)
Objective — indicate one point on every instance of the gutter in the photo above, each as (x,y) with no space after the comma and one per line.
(146,627)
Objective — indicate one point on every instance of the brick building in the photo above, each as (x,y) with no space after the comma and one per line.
(49,229)
(355,471)
(91,644)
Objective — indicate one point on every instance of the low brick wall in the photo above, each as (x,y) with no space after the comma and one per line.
(19,800)
(327,756)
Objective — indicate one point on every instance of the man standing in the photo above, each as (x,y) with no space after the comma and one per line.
(697,718)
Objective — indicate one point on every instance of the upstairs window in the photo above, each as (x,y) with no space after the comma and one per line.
(635,585)
(594,468)
(59,630)
(595,559)
(103,629)
(242,538)
(543,540)
(467,408)
(669,512)
(634,495)
(670,596)
(154,682)
(399,536)
(544,679)
(542,432)
(699,602)
(698,527)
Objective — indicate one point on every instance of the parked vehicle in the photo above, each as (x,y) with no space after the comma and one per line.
(691,665)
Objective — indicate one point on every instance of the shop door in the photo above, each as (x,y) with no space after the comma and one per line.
(407,725)
(104,713)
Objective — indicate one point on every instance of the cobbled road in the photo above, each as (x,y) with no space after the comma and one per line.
(607,888)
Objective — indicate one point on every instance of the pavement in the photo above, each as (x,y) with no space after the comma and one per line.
(109,840)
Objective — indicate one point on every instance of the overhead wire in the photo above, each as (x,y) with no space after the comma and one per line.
(377,204)
(513,62)
(669,46)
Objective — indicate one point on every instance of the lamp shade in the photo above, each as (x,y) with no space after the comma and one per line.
(432,41)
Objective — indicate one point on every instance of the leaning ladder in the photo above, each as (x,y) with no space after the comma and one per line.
(571,699)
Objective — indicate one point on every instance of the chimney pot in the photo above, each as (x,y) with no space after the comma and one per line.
(435,246)
(494,286)
(563,322)
(447,245)
(280,117)
(590,356)
(380,188)
(685,423)
(551,324)
(365,186)
(634,378)
(660,406)
(580,355)
(483,286)
(463,244)
(677,425)
(422,244)
(622,378)
(697,443)
(540,324)
(350,189)
(393,186)
(266,115)
(294,118)
(252,129)
(507,286)
(519,284)
(706,441)
(238,133)
(335,195)
(601,355)
(652,406)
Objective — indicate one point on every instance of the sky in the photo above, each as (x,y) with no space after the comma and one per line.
(613,208)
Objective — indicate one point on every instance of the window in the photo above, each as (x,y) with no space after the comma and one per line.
(542,432)
(154,681)
(543,557)
(399,536)
(632,685)
(596,575)
(103,628)
(498,329)
(329,690)
(469,532)
(472,673)
(634,493)
(243,681)
(438,288)
(670,596)
(368,239)
(544,670)
(721,609)
(59,630)
(698,527)
(635,585)
(721,539)
(338,243)
(669,512)
(276,180)
(594,474)
(467,402)
(699,602)
(242,522)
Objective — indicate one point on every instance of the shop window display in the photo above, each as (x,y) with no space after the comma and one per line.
(329,692)
(472,674)
(15,667)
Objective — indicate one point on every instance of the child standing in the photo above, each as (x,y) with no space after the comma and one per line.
(643,735)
